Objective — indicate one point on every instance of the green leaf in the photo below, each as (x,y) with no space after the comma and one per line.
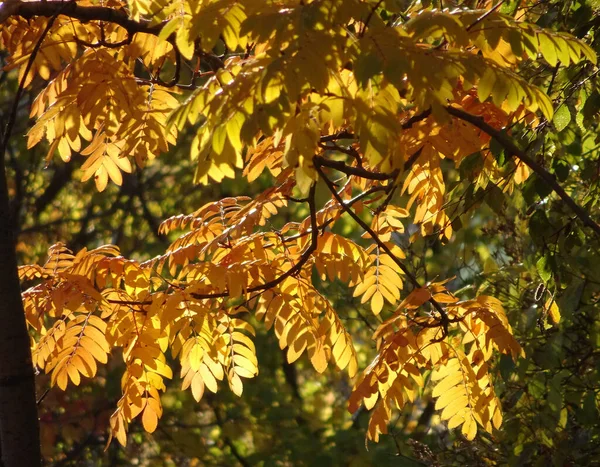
(506,366)
(367,65)
(541,187)
(537,386)
(562,117)
(570,299)
(539,227)
(471,165)
(497,151)
(554,398)
(509,7)
(495,200)
(589,412)
(561,169)
(543,268)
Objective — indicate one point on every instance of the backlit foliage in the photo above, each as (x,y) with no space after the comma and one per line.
(325,94)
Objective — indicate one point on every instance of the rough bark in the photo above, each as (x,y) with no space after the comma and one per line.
(19,426)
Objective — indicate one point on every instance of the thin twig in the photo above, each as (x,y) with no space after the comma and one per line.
(103,43)
(42,397)
(416,118)
(344,134)
(444,320)
(267,285)
(357,171)
(485,15)
(369,17)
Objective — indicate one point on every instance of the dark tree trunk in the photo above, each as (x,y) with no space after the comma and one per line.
(19,426)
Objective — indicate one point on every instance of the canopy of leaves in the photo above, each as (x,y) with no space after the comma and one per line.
(402,198)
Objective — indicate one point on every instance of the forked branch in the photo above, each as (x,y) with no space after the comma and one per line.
(444,320)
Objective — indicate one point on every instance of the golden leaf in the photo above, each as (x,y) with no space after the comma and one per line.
(552,309)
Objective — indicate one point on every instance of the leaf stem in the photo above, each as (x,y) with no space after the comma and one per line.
(444,320)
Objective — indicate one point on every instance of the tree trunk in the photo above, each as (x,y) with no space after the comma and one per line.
(19,426)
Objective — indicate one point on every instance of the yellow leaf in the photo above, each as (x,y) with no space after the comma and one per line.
(377,303)
(469,428)
(98,337)
(86,367)
(183,42)
(163,369)
(117,428)
(235,383)
(101,179)
(149,419)
(113,170)
(455,406)
(548,49)
(62,377)
(456,420)
(416,298)
(449,396)
(208,378)
(364,286)
(94,349)
(552,310)
(319,359)
(197,387)
(486,84)
(447,383)
(295,350)
(73,373)
(497,418)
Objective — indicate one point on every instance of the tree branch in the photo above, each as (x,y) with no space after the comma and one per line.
(444,320)
(510,146)
(350,202)
(19,425)
(340,135)
(314,235)
(345,134)
(84,14)
(358,171)
(278,280)
(416,118)
(150,219)
(340,166)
